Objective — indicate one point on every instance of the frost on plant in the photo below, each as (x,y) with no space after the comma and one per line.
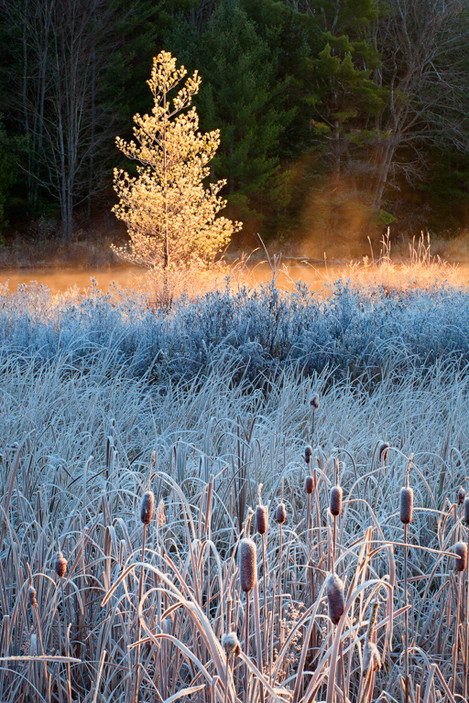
(171,216)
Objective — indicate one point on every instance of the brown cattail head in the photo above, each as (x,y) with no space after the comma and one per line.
(309,484)
(146,512)
(460,549)
(383,452)
(371,657)
(60,565)
(461,495)
(335,502)
(32,596)
(308,453)
(406,504)
(335,597)
(466,510)
(262,519)
(230,643)
(281,513)
(315,401)
(247,564)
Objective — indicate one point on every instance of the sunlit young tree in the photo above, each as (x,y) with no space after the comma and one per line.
(170,214)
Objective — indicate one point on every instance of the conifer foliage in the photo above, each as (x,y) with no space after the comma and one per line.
(170,214)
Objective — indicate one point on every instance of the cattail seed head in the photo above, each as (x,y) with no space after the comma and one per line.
(335,597)
(315,401)
(262,519)
(32,596)
(146,512)
(461,495)
(460,549)
(383,452)
(309,484)
(406,504)
(308,453)
(247,564)
(230,643)
(371,657)
(60,565)
(466,510)
(335,502)
(281,513)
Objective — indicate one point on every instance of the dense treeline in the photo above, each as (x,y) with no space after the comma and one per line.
(334,116)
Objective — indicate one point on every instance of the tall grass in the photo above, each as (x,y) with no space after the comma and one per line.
(84,438)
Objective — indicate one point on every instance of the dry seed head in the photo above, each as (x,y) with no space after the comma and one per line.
(262,519)
(60,565)
(146,513)
(460,549)
(461,495)
(315,401)
(371,657)
(281,513)
(308,453)
(335,597)
(247,564)
(383,452)
(230,643)
(406,504)
(309,484)
(335,503)
(32,596)
(466,510)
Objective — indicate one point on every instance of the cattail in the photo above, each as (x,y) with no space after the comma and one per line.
(383,452)
(262,520)
(32,596)
(281,513)
(460,549)
(146,513)
(335,503)
(461,495)
(371,657)
(335,597)
(308,453)
(230,643)
(60,565)
(247,564)
(309,484)
(466,510)
(315,401)
(406,504)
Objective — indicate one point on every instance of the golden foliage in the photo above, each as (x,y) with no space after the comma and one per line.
(171,216)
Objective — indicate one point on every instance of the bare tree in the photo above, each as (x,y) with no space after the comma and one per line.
(424,46)
(65,45)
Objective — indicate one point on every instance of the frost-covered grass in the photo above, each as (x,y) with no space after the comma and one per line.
(256,331)
(103,398)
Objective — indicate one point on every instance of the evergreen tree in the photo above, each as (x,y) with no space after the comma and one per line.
(170,215)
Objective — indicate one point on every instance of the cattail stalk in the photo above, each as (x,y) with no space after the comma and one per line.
(335,508)
(406,503)
(262,524)
(280,516)
(146,514)
(33,602)
(309,487)
(460,549)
